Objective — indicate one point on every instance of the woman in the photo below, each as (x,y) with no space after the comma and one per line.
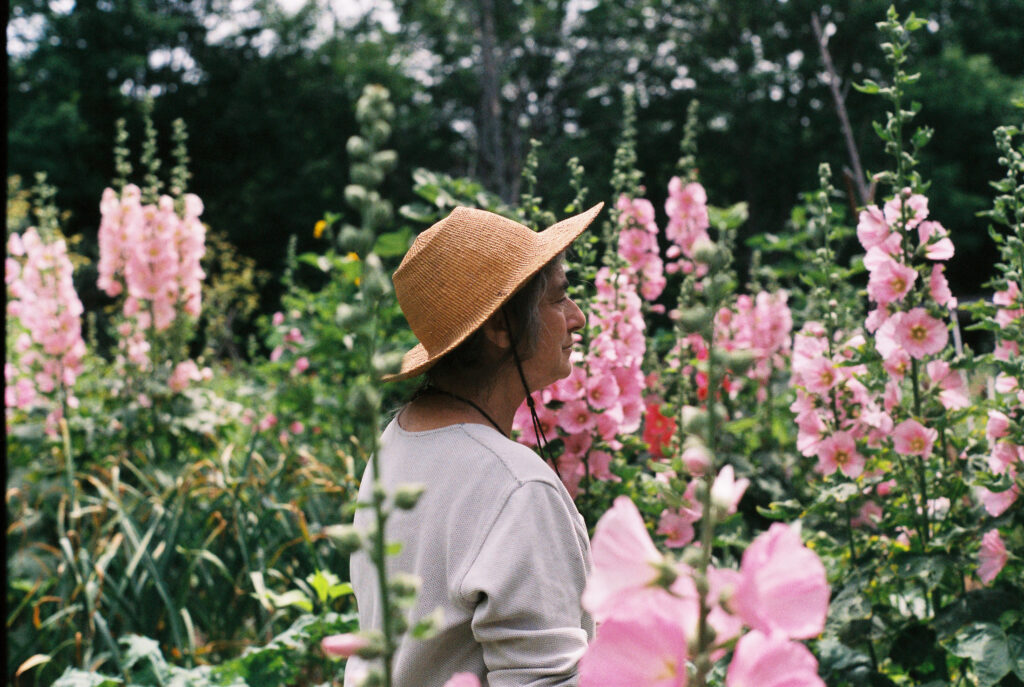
(496,540)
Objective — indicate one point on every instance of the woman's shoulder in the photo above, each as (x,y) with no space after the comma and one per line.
(473,449)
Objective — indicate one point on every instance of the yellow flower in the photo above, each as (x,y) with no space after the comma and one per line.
(318,229)
(353,256)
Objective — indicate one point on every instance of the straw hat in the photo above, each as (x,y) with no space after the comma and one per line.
(461,270)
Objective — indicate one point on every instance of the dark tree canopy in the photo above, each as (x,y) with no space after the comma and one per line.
(268,98)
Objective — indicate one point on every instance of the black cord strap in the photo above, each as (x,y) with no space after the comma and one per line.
(442,392)
(538,430)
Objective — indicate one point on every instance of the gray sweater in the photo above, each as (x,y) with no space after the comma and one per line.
(500,549)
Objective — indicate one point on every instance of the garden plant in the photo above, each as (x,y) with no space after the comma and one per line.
(793,476)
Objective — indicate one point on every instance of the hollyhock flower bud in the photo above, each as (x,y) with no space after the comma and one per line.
(343,645)
(763,660)
(992,556)
(782,586)
(463,680)
(727,491)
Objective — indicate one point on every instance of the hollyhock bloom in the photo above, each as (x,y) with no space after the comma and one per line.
(839,452)
(890,281)
(1004,455)
(625,560)
(992,556)
(911,438)
(602,391)
(764,660)
(997,502)
(952,388)
(677,526)
(184,373)
(872,228)
(998,425)
(268,421)
(463,680)
(300,366)
(870,515)
(727,491)
(343,645)
(782,586)
(940,250)
(44,320)
(643,645)
(598,464)
(575,417)
(912,205)
(687,210)
(920,334)
(938,287)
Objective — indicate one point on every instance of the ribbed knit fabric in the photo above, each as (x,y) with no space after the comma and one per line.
(499,547)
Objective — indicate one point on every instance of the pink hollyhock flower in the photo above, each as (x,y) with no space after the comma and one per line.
(911,438)
(1004,456)
(575,417)
(913,205)
(872,228)
(870,515)
(992,556)
(920,334)
(624,557)
(643,645)
(268,421)
(463,680)
(890,281)
(300,366)
(278,319)
(997,502)
(344,645)
(763,660)
(940,250)
(677,526)
(599,465)
(184,372)
(296,427)
(782,587)
(727,491)
(998,425)
(602,391)
(939,287)
(839,452)
(952,388)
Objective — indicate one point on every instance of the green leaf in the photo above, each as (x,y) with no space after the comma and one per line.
(393,244)
(989,650)
(868,86)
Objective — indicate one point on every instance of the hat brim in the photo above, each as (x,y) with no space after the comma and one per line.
(552,241)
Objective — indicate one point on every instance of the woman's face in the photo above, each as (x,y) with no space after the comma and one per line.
(559,318)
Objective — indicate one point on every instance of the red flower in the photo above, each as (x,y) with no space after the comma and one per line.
(658,430)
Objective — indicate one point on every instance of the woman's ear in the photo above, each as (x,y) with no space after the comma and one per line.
(496,331)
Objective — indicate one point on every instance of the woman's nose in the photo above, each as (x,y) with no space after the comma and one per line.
(576,319)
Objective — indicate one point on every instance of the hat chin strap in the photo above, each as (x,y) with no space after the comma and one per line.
(538,431)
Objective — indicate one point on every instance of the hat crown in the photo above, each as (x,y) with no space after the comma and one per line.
(458,272)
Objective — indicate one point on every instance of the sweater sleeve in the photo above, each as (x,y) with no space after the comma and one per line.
(525,585)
